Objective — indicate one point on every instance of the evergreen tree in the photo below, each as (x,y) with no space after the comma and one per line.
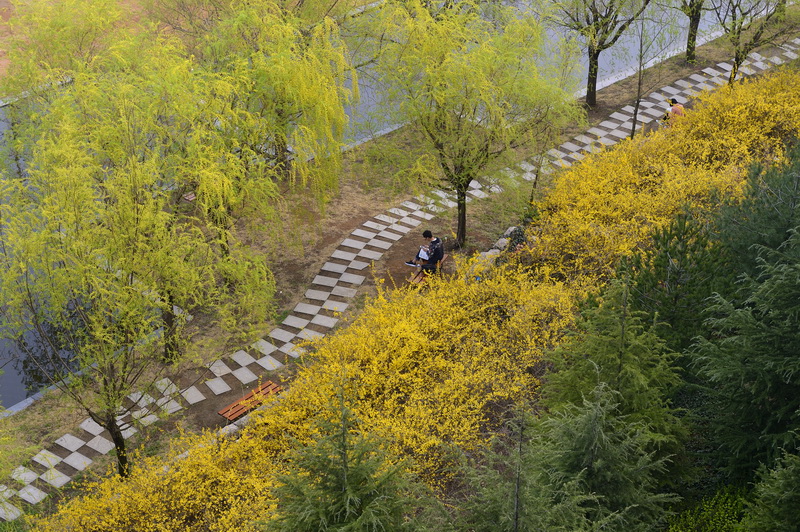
(776,498)
(671,279)
(750,361)
(607,450)
(513,487)
(344,481)
(614,345)
(765,217)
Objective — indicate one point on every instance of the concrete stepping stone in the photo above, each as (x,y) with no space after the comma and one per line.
(408,220)
(219,368)
(292,350)
(170,406)
(55,478)
(243,358)
(100,444)
(355,244)
(790,55)
(46,458)
(24,475)
(218,386)
(398,212)
(192,395)
(323,280)
(344,255)
(411,205)
(78,461)
(422,214)
(31,494)
(381,244)
(294,321)
(145,417)
(390,235)
(6,492)
(597,132)
(281,335)
(367,254)
(305,308)
(140,398)
(70,442)
(128,432)
(91,427)
(268,363)
(352,278)
(335,306)
(619,116)
(480,194)
(334,267)
(317,294)
(400,228)
(344,292)
(166,387)
(9,512)
(308,334)
(244,375)
(374,225)
(363,234)
(384,218)
(324,321)
(263,347)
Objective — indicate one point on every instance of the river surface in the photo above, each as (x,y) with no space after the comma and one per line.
(19,378)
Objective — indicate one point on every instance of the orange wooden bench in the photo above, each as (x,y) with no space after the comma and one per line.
(420,276)
(251,401)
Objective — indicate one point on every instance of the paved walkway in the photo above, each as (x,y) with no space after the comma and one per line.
(330,292)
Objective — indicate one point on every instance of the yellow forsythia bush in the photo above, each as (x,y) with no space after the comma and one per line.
(420,370)
(605,207)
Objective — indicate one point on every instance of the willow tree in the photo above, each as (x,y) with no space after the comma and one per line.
(291,77)
(475,84)
(102,260)
(748,24)
(600,23)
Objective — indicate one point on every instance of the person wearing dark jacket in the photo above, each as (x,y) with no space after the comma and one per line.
(430,254)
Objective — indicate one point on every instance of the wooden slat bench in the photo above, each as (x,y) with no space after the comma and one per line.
(249,402)
(420,276)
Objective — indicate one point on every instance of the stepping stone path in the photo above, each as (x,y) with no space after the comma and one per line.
(330,293)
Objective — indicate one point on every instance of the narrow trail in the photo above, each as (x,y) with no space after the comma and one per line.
(331,291)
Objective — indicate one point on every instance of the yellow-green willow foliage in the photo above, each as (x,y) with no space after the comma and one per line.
(423,371)
(291,77)
(603,208)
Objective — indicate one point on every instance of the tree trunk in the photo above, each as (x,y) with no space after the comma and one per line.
(461,200)
(694,13)
(591,80)
(112,427)
(738,59)
(169,323)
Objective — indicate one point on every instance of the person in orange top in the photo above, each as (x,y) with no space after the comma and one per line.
(674,111)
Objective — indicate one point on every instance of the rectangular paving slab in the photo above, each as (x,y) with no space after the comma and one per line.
(282,335)
(55,477)
(334,267)
(141,399)
(385,218)
(91,427)
(70,442)
(324,321)
(219,368)
(243,358)
(166,387)
(100,444)
(335,306)
(31,494)
(78,461)
(366,253)
(344,255)
(218,386)
(355,244)
(46,458)
(244,375)
(319,294)
(9,512)
(23,474)
(293,321)
(263,347)
(192,395)
(268,363)
(374,225)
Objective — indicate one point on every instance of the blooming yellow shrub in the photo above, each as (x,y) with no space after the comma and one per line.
(602,209)
(420,370)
